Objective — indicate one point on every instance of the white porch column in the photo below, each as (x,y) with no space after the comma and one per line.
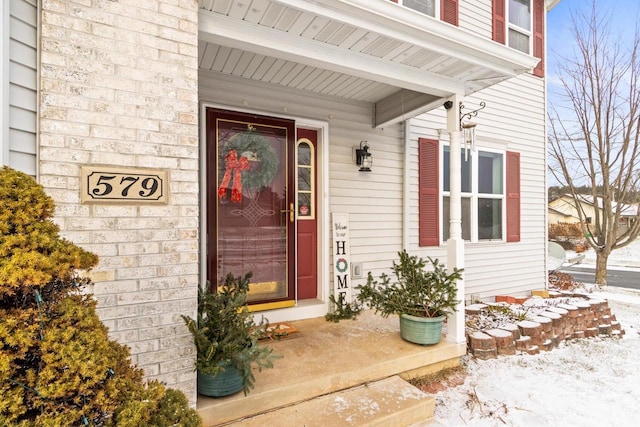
(455,244)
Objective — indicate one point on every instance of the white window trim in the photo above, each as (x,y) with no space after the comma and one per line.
(474,195)
(436,8)
(510,26)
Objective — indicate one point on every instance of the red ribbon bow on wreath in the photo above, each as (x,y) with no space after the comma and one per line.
(235,166)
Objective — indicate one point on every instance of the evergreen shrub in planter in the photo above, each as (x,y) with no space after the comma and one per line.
(417,293)
(226,338)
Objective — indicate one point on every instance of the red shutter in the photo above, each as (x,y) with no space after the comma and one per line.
(499,33)
(513,196)
(429,195)
(449,11)
(538,36)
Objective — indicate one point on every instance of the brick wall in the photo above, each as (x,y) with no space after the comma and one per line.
(119,88)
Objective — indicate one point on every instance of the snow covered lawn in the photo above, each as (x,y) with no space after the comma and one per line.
(586,382)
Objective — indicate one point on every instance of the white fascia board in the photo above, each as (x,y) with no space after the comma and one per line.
(386,18)
(551,4)
(220,29)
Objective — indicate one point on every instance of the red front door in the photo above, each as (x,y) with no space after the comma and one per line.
(307,214)
(251,204)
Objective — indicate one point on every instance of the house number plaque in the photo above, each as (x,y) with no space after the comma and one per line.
(108,185)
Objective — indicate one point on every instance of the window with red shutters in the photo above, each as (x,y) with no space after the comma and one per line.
(428,196)
(513,196)
(500,29)
(487,223)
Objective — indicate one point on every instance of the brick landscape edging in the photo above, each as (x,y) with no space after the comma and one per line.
(583,319)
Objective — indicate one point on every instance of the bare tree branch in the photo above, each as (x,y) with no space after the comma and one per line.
(594,136)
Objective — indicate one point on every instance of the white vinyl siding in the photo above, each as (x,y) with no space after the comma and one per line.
(475,15)
(513,120)
(19,85)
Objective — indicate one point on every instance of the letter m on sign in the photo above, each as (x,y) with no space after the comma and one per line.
(342,282)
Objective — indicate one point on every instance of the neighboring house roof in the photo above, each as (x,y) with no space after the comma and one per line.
(627,210)
(557,212)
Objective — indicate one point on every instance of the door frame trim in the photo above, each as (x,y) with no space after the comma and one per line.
(307,308)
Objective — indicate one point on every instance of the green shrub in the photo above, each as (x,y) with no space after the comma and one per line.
(58,366)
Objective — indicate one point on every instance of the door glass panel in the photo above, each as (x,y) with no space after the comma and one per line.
(305,184)
(304,154)
(304,179)
(304,203)
(252,217)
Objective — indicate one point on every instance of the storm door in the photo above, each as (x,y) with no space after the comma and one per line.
(251,204)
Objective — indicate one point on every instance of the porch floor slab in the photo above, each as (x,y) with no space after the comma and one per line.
(325,357)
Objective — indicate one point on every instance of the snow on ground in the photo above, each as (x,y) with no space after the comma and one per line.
(627,256)
(582,383)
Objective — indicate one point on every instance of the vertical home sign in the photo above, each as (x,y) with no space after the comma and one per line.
(341,257)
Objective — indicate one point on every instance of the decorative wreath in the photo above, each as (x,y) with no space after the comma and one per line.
(248,160)
(342,265)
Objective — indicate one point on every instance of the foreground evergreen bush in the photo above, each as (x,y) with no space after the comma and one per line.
(57,365)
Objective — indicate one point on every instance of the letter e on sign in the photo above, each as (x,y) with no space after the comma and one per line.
(103,184)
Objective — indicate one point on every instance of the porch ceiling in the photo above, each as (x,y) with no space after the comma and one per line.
(403,62)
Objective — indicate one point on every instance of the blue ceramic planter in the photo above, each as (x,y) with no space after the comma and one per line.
(421,330)
(223,384)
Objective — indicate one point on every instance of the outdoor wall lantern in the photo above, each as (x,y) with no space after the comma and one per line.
(364,159)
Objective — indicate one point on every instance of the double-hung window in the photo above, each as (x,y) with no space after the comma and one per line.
(482,195)
(490,194)
(519,25)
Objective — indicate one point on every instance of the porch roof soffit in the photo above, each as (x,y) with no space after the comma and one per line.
(455,61)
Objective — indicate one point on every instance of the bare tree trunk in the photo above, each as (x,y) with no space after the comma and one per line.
(601,268)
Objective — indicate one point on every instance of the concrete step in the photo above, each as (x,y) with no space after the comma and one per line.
(388,402)
(325,358)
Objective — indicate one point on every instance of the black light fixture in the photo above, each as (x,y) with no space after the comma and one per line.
(364,159)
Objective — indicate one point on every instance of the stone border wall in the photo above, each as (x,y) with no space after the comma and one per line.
(545,331)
